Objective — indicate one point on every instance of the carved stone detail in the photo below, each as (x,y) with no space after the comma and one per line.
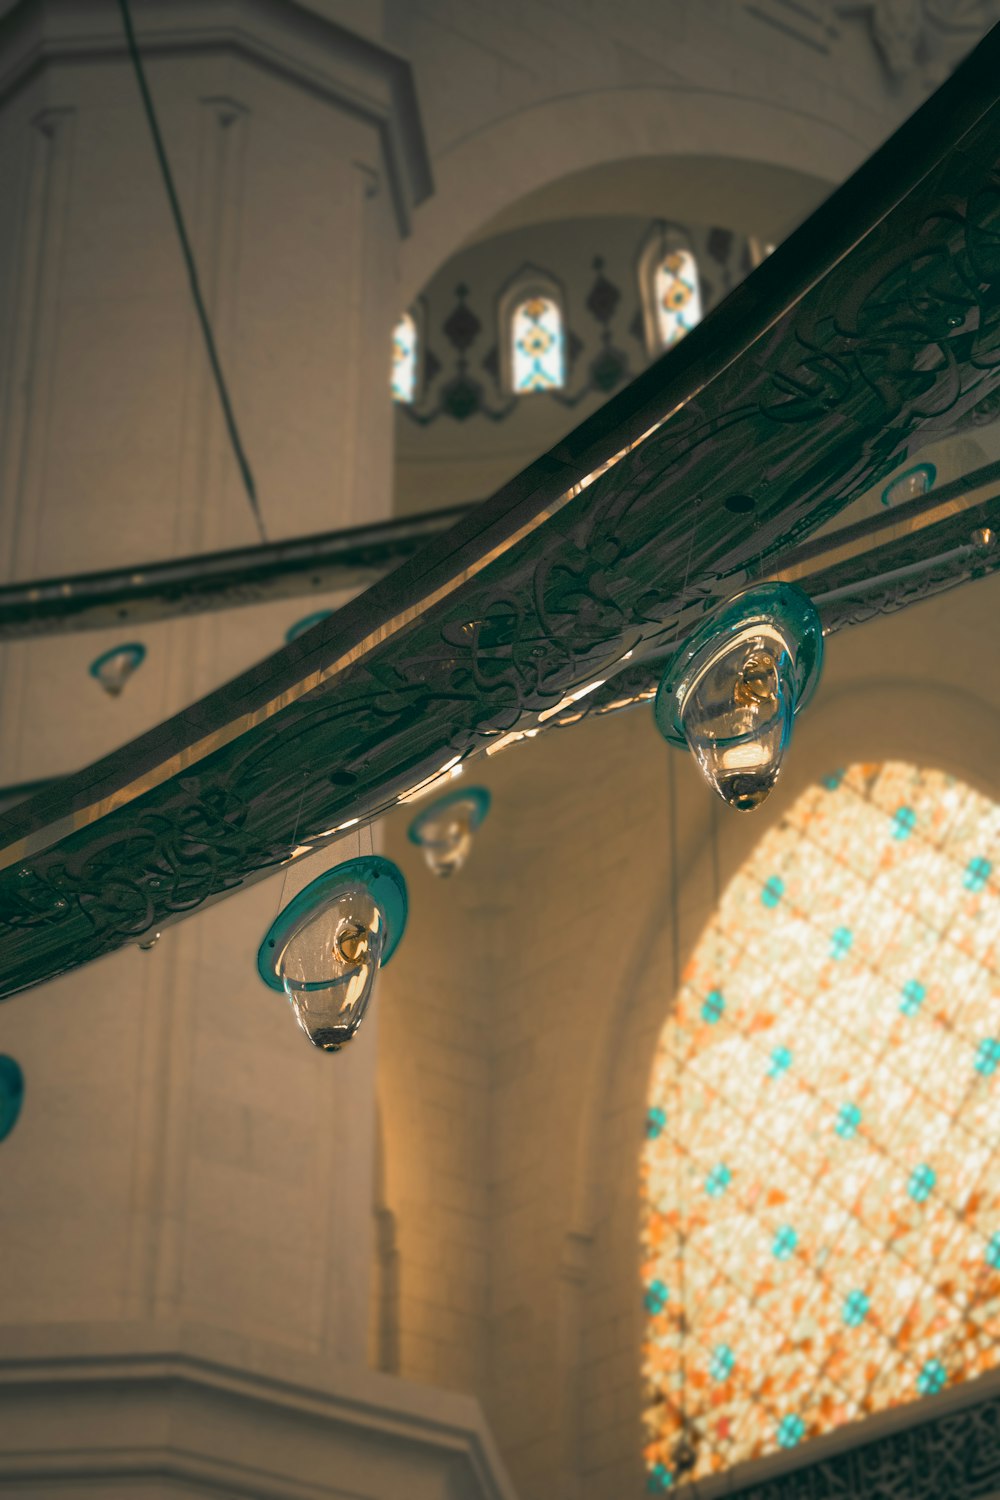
(957,1455)
(924,37)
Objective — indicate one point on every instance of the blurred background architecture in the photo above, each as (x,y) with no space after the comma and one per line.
(432,237)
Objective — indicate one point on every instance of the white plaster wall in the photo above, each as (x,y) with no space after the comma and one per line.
(161,1411)
(182,1154)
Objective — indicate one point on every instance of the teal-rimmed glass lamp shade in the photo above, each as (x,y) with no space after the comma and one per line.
(112,669)
(11,1094)
(910,485)
(306,623)
(325,949)
(445,830)
(732,691)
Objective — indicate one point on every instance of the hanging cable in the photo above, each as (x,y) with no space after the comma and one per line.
(684,1456)
(192,270)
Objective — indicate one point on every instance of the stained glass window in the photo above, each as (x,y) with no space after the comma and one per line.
(822,1127)
(404,359)
(677,296)
(537,345)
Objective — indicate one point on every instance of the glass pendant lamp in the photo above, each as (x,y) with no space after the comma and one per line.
(112,669)
(732,691)
(326,947)
(444,831)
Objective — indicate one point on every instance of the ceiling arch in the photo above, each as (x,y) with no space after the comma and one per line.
(753,165)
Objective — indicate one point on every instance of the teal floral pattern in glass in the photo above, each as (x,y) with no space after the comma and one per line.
(538,346)
(850,1101)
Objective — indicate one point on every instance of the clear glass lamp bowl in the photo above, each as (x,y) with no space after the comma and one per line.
(732,691)
(325,948)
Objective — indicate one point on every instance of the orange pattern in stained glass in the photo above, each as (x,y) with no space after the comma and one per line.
(824,1122)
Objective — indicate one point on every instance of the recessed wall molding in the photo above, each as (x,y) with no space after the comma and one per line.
(312,1418)
(288,40)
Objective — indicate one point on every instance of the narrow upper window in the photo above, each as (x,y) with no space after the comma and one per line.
(538,361)
(404,359)
(677,296)
(671,290)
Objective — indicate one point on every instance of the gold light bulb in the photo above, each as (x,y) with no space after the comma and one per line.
(758,681)
(351,942)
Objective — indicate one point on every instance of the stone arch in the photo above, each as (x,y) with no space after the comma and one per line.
(750,164)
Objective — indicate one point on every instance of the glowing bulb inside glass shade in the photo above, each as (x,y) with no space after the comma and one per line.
(447,841)
(732,691)
(328,967)
(445,831)
(737,717)
(112,669)
(326,946)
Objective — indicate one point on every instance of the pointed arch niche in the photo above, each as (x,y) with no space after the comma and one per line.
(670,287)
(822,1127)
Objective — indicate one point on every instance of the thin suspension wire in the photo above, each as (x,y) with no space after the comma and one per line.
(714,806)
(192,270)
(295,839)
(678,1078)
(675,945)
(716,884)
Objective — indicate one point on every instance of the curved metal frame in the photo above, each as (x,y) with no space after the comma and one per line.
(873,329)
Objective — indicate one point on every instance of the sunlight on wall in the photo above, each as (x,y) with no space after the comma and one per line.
(823,1116)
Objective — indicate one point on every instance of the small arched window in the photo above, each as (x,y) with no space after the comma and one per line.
(405,349)
(537,344)
(671,289)
(678,296)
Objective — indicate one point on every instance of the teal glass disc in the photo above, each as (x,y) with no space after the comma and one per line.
(11,1094)
(135,651)
(477,796)
(382,879)
(910,484)
(306,623)
(781,607)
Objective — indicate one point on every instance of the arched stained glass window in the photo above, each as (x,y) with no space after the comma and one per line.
(537,345)
(677,295)
(823,1123)
(404,359)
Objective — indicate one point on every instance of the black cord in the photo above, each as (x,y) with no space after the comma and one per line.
(192,270)
(681,1236)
